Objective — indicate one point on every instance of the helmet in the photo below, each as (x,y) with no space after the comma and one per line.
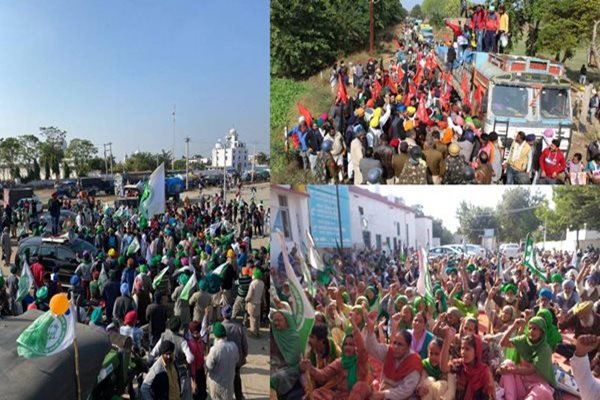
(327,145)
(454,150)
(469,174)
(374,175)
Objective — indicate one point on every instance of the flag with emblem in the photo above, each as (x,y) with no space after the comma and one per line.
(531,261)
(153,197)
(159,277)
(25,281)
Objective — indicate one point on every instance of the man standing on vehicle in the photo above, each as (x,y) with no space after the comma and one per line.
(6,247)
(54,209)
(516,164)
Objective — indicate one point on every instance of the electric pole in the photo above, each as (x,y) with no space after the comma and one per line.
(187,163)
(372,26)
(110,162)
(253,161)
(173,149)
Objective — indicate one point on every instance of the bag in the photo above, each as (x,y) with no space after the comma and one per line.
(503,40)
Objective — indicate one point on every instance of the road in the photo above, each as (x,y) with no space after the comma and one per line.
(255,374)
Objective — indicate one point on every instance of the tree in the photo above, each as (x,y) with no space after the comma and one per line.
(438,230)
(575,208)
(418,210)
(516,214)
(29,154)
(261,158)
(10,149)
(81,151)
(180,164)
(437,10)
(474,220)
(52,149)
(66,170)
(416,12)
(97,164)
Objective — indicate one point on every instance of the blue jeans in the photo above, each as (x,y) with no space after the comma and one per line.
(55,224)
(479,40)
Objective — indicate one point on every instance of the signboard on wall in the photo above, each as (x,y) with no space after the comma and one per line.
(324,221)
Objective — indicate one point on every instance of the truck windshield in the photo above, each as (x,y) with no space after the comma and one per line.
(554,103)
(509,101)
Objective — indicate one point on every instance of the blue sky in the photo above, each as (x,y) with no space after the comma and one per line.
(111,71)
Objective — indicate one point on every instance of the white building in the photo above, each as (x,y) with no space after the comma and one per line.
(231,154)
(381,222)
(289,210)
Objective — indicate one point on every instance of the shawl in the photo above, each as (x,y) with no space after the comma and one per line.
(288,341)
(477,376)
(412,362)
(539,354)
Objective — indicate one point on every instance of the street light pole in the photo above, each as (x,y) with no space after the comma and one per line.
(187,163)
(173,149)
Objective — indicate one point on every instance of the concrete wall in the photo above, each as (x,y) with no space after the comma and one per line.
(297,210)
(423,232)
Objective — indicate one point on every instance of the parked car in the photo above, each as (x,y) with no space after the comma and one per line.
(67,188)
(472,249)
(440,251)
(510,249)
(59,253)
(38,204)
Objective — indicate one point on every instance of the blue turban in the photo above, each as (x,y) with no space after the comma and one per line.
(547,293)
(124,288)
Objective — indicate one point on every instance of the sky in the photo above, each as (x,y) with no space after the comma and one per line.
(112,71)
(441,201)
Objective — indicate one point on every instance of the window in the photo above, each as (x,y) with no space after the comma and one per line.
(65,254)
(367,239)
(361,211)
(554,103)
(285,216)
(407,238)
(46,251)
(398,228)
(378,241)
(387,241)
(509,101)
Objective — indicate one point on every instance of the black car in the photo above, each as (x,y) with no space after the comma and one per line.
(57,252)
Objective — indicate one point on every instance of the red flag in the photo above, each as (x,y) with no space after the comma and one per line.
(305,113)
(400,73)
(478,97)
(396,43)
(422,111)
(387,80)
(341,93)
(419,76)
(376,89)
(455,28)
(412,91)
(464,85)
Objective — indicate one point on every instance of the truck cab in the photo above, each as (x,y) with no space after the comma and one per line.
(518,93)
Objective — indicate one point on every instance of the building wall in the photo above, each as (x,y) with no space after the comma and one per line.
(294,218)
(386,221)
(423,232)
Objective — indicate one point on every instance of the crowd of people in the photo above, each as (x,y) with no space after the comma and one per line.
(172,283)
(401,121)
(488,328)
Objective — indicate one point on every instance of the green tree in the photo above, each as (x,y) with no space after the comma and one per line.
(440,231)
(97,164)
(418,210)
(66,170)
(29,154)
(261,158)
(416,12)
(516,214)
(52,150)
(474,220)
(10,149)
(180,164)
(81,151)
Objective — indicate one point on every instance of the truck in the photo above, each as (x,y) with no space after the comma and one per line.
(518,93)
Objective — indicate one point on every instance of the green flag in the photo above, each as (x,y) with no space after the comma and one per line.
(25,281)
(306,275)
(159,277)
(133,247)
(189,286)
(530,259)
(304,313)
(424,286)
(47,335)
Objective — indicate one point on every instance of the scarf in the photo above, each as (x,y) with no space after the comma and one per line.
(553,336)
(443,302)
(400,298)
(412,362)
(349,363)
(374,302)
(288,341)
(539,354)
(476,376)
(432,371)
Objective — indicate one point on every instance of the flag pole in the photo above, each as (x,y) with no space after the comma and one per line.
(77,368)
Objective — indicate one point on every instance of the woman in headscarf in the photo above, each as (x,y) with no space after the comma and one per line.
(350,372)
(401,366)
(407,317)
(553,336)
(285,352)
(420,335)
(473,376)
(372,295)
(335,323)
(433,384)
(533,377)
(441,302)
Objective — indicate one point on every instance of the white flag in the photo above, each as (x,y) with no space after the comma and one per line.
(153,198)
(25,281)
(424,287)
(314,258)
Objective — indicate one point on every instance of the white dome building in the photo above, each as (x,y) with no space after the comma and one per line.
(231,154)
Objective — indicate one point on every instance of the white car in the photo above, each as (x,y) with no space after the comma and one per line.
(472,249)
(446,250)
(510,249)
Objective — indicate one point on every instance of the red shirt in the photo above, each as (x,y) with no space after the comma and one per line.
(552,163)
(37,271)
(197,350)
(492,21)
